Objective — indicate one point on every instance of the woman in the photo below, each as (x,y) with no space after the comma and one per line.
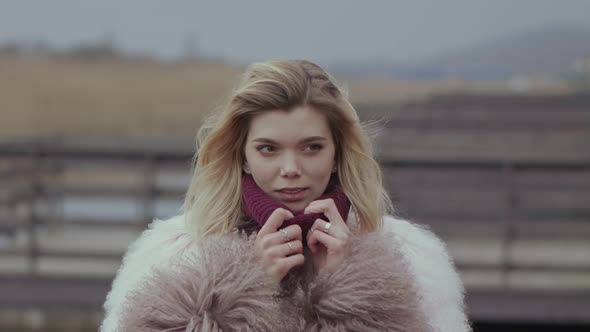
(285,228)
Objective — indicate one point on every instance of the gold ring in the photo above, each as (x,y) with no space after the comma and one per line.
(327,227)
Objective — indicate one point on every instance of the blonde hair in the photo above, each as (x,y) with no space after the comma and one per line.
(213,202)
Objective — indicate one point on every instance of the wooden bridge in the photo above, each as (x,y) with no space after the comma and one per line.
(505,181)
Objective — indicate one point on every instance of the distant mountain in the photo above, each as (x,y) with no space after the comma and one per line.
(549,51)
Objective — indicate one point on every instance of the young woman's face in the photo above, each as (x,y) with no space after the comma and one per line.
(291,155)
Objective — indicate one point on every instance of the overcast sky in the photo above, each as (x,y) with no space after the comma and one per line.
(327,31)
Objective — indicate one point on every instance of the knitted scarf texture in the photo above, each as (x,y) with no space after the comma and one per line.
(259,206)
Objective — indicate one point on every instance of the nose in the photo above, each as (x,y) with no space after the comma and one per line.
(289,166)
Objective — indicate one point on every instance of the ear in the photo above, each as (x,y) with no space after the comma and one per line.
(246,168)
(335,167)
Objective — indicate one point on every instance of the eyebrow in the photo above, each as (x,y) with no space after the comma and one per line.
(305,140)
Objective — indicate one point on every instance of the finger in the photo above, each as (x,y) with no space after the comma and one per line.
(328,208)
(284,235)
(320,225)
(330,242)
(293,232)
(317,224)
(275,221)
(312,242)
(340,233)
(284,265)
(287,249)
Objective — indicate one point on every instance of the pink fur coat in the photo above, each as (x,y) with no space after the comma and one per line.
(398,279)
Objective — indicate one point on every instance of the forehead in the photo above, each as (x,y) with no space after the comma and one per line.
(298,123)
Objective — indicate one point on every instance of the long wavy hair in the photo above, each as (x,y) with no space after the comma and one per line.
(213,202)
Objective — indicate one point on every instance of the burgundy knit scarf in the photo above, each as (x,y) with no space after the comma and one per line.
(259,206)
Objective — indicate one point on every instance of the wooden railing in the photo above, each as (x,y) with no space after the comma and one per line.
(40,173)
(37,179)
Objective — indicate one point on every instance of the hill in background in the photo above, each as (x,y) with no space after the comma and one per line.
(548,52)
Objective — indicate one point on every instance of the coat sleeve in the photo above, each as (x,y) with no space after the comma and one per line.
(162,240)
(372,290)
(219,287)
(439,285)
(169,282)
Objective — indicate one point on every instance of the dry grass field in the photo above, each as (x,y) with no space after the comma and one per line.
(42,96)
(120,98)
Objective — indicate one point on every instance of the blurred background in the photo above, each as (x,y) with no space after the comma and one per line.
(483,106)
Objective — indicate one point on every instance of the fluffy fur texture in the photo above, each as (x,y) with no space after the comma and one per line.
(440,285)
(371,291)
(155,247)
(400,279)
(220,288)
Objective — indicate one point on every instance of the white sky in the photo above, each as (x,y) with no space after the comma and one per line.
(325,31)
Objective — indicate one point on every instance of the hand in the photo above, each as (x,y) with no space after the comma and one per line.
(327,246)
(278,251)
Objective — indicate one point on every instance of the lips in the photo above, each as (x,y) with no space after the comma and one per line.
(291,194)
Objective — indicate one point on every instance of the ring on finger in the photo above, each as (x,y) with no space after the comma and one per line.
(285,234)
(290,246)
(327,228)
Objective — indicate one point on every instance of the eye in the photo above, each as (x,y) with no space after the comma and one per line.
(314,147)
(265,148)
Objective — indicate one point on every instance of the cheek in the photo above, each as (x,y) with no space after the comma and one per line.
(262,171)
(321,170)
(259,164)
(255,163)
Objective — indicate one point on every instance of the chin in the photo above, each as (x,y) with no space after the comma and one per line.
(296,207)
